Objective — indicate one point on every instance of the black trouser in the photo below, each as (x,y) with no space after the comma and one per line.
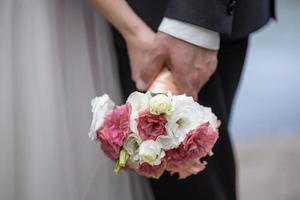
(218,180)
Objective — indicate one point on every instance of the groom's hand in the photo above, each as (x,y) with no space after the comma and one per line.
(190,65)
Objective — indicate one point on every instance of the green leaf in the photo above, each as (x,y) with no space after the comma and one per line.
(117,167)
(121,162)
(123,157)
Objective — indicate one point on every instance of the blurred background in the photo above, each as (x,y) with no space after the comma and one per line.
(265,124)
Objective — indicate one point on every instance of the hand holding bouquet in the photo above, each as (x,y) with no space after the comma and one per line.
(155,131)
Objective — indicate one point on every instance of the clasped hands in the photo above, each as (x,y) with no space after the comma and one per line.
(190,65)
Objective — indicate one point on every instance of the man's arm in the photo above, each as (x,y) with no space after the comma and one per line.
(191,65)
(190,42)
(187,43)
(191,33)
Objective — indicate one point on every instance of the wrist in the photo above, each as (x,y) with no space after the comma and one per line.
(190,33)
(134,30)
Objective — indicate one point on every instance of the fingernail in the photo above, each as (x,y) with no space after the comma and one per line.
(140,84)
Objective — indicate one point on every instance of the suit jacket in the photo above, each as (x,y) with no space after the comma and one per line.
(232,18)
(235,19)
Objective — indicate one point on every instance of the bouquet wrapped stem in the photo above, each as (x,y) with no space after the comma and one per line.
(164,83)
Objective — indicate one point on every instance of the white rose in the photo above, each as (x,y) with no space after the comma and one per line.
(101,106)
(133,162)
(209,116)
(132,143)
(139,102)
(168,141)
(151,152)
(186,116)
(160,104)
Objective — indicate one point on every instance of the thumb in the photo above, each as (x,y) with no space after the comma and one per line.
(149,72)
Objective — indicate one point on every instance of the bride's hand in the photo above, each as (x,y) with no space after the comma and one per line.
(137,34)
(139,44)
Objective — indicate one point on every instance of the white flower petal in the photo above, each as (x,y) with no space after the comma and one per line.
(160,104)
(151,152)
(131,144)
(210,117)
(101,106)
(168,142)
(186,116)
(139,102)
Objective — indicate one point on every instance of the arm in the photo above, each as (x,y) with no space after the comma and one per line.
(191,65)
(188,41)
(191,33)
(137,34)
(120,15)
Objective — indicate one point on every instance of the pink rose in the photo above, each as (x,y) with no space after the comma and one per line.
(179,161)
(151,171)
(115,130)
(151,126)
(185,160)
(200,141)
(111,150)
(177,154)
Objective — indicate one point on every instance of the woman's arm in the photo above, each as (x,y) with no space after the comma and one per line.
(121,16)
(137,34)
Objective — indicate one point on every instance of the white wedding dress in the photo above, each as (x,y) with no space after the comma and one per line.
(55,56)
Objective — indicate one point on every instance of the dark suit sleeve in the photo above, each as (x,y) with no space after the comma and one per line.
(216,15)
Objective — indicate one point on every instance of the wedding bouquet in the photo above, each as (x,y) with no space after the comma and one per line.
(153,132)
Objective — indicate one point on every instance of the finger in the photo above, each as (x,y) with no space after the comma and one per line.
(182,80)
(149,72)
(195,95)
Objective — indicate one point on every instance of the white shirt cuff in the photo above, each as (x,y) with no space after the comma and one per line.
(191,33)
